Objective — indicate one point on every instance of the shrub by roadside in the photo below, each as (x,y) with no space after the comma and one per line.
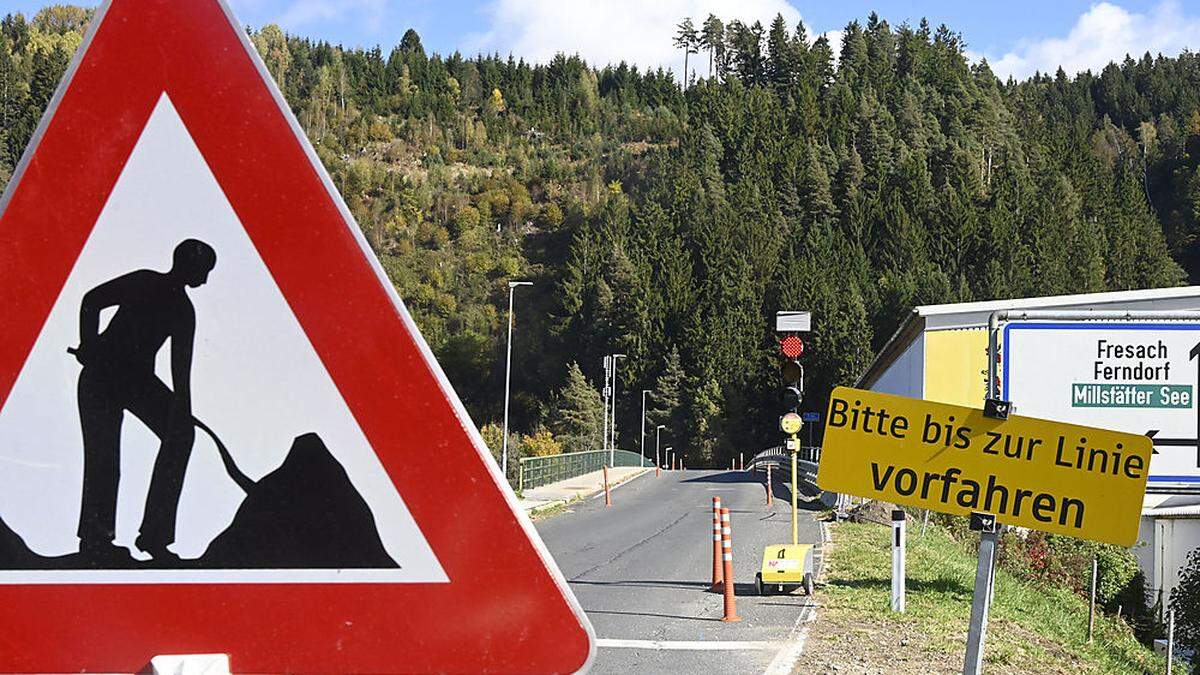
(1185,600)
(1056,561)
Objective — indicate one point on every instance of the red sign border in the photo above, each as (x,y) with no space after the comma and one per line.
(499,612)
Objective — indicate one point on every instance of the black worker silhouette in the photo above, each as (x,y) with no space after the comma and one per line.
(305,514)
(118,375)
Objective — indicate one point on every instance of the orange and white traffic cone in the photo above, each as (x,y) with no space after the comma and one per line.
(718,576)
(727,559)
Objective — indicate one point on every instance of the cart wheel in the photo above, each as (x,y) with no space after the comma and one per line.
(808,583)
(758,584)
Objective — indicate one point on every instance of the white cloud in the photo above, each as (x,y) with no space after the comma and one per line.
(1106,32)
(301,13)
(610,31)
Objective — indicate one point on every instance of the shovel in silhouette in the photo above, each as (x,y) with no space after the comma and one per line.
(243,481)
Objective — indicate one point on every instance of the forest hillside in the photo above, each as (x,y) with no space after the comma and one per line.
(668,221)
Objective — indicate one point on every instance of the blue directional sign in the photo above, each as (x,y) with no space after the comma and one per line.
(811,416)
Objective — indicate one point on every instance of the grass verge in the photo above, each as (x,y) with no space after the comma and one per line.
(1031,629)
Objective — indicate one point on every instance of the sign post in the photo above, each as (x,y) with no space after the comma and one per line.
(790,424)
(795,447)
(981,599)
(898,541)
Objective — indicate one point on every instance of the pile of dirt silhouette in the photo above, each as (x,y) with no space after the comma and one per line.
(14,554)
(305,514)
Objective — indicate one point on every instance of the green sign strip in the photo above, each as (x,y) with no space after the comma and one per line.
(1097,395)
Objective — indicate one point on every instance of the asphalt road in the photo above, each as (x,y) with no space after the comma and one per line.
(641,570)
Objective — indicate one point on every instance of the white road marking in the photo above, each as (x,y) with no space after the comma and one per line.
(695,645)
(612,488)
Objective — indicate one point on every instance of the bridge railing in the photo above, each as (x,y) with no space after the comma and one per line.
(779,454)
(782,458)
(538,471)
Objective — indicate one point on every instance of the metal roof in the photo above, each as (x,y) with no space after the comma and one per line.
(1192,511)
(967,315)
(975,314)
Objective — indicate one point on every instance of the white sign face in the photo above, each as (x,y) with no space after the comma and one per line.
(1136,377)
(793,322)
(78,449)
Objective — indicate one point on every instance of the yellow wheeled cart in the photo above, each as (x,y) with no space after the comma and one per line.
(785,566)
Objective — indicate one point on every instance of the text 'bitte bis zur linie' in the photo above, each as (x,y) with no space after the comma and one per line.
(989,493)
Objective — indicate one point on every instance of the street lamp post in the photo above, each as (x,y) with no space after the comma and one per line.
(657,443)
(642,436)
(607,377)
(612,452)
(669,455)
(512,285)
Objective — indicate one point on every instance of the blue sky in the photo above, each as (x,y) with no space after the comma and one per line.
(1017,37)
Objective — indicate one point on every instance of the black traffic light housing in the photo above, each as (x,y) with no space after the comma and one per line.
(792,374)
(788,326)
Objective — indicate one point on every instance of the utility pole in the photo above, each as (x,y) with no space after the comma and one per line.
(642,437)
(612,452)
(512,285)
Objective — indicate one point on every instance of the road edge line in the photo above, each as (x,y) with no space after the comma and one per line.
(628,479)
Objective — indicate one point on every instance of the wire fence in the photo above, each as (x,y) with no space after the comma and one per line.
(538,471)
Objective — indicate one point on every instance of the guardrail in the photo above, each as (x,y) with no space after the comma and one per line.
(538,471)
(779,455)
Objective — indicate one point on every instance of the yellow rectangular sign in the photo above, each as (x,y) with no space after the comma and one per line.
(1052,476)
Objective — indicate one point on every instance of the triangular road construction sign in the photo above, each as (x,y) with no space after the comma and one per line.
(220,431)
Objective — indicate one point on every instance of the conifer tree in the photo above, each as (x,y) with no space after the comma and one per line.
(687,39)
(667,396)
(781,57)
(701,436)
(576,414)
(712,38)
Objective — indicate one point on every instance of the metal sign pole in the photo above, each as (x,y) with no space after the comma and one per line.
(795,507)
(898,544)
(985,579)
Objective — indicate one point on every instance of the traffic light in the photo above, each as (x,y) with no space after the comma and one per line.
(791,372)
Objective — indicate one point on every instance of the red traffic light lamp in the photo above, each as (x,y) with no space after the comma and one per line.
(791,346)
